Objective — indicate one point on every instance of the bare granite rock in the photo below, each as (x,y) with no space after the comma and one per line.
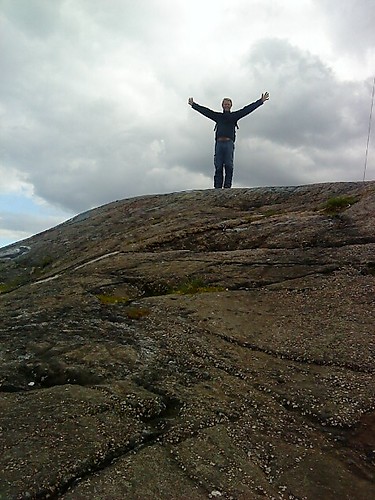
(204,344)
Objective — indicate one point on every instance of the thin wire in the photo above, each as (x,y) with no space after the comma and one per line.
(369,130)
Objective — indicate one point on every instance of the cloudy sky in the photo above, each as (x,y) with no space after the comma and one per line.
(93,98)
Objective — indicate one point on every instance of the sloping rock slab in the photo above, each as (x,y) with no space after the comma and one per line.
(194,345)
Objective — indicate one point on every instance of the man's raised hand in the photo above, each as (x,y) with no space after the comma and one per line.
(190,101)
(265,96)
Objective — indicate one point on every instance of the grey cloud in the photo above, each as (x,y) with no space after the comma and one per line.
(309,105)
(35,18)
(129,17)
(350,24)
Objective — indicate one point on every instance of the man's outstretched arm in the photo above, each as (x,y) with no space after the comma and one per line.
(251,107)
(202,110)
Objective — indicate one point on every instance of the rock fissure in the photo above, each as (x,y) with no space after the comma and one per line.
(288,356)
(59,490)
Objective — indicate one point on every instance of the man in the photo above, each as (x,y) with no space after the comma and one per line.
(225,135)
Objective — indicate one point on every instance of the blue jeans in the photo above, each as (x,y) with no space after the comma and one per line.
(223,160)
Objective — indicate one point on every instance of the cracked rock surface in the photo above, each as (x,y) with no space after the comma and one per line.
(204,344)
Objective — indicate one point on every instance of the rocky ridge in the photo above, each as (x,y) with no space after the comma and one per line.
(204,344)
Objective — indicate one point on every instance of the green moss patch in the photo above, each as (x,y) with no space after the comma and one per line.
(113,299)
(137,312)
(196,286)
(339,203)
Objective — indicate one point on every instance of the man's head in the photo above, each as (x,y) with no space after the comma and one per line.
(226,104)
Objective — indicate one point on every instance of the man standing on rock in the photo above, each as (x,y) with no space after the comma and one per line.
(225,135)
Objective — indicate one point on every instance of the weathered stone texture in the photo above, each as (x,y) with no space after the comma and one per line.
(204,344)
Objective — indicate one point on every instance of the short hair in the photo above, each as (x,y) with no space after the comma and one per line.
(227,99)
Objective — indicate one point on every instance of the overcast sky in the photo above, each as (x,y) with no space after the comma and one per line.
(93,98)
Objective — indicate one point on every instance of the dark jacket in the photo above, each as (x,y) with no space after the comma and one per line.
(226,121)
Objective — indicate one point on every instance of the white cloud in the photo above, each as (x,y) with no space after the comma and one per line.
(13,181)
